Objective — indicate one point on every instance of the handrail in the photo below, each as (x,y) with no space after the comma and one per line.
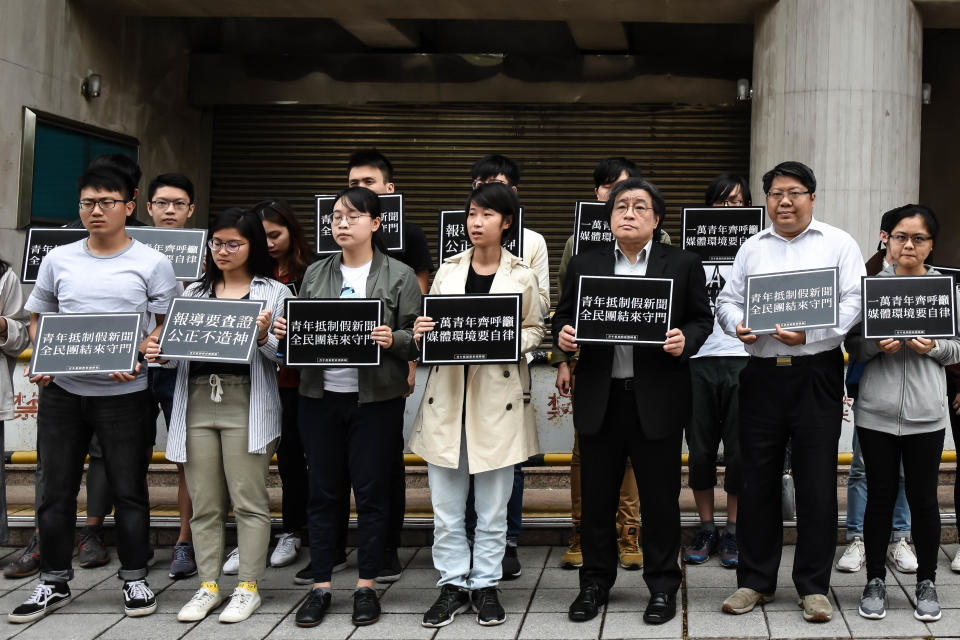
(413,460)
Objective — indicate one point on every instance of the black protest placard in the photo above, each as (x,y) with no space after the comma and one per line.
(472,329)
(716,233)
(909,307)
(40,241)
(332,332)
(184,248)
(796,300)
(591,226)
(210,330)
(454,238)
(391,222)
(623,309)
(951,271)
(86,343)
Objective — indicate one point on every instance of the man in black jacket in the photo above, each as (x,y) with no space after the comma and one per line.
(619,407)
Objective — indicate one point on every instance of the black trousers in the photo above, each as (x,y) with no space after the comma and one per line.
(656,464)
(65,424)
(342,436)
(292,464)
(802,403)
(397,507)
(952,392)
(920,454)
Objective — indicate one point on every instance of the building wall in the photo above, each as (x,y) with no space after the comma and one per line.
(48,46)
(940,132)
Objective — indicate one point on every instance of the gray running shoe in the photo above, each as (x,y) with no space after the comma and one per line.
(928,605)
(873,602)
(183,564)
(90,550)
(27,562)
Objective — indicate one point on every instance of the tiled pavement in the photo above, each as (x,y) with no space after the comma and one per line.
(536,607)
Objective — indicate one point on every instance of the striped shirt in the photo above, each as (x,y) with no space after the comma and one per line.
(265,410)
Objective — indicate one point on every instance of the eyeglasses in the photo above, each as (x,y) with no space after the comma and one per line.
(640,210)
(351,219)
(232,246)
(777,196)
(105,204)
(480,181)
(918,241)
(178,205)
(730,202)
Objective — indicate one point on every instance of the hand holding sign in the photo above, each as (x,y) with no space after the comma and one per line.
(263,324)
(923,346)
(567,339)
(383,336)
(789,338)
(422,325)
(746,334)
(675,342)
(280,328)
(890,346)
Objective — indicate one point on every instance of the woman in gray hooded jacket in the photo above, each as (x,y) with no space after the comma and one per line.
(901,417)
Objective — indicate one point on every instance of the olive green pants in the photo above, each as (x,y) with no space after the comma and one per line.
(220,472)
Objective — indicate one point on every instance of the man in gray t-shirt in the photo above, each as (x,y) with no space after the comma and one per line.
(106,273)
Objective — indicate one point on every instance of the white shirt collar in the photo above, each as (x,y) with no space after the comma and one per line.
(815,226)
(641,257)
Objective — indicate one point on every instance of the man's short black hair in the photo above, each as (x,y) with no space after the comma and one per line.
(120,163)
(371,158)
(176,180)
(632,184)
(792,169)
(104,179)
(493,165)
(723,185)
(609,169)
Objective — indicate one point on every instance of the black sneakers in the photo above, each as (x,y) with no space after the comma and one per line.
(138,599)
(46,597)
(486,602)
(511,563)
(392,569)
(452,600)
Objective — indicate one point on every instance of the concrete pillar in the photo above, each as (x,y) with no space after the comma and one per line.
(837,86)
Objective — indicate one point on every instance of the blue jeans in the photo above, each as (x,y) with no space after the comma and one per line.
(514,508)
(451,551)
(857,499)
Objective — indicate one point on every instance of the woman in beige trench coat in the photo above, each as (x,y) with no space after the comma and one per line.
(474,420)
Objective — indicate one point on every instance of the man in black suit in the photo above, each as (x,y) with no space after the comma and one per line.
(619,407)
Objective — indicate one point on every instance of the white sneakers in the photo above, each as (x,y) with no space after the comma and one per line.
(286,551)
(244,601)
(955,565)
(205,600)
(901,555)
(852,559)
(231,566)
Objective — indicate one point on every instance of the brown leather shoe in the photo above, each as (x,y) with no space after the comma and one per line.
(631,557)
(573,558)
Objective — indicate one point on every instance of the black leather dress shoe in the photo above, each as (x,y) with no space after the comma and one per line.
(661,608)
(311,612)
(588,603)
(366,606)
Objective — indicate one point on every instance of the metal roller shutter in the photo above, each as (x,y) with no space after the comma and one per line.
(294,152)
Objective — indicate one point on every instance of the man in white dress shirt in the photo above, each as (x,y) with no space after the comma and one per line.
(790,390)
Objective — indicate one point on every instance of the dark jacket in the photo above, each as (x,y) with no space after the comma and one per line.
(396,285)
(661,381)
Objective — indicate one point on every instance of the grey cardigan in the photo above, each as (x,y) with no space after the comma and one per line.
(396,285)
(11,308)
(904,393)
(265,411)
